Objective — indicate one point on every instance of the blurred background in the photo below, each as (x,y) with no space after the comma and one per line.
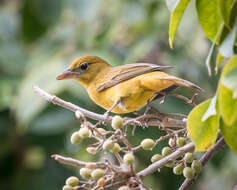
(40,38)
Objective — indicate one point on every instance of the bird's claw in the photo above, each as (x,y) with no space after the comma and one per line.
(106,118)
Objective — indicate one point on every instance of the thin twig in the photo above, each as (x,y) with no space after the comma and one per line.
(204,159)
(58,101)
(156,165)
(77,163)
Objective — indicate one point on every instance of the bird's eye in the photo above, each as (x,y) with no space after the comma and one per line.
(84,66)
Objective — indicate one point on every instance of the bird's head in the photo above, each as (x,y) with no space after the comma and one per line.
(84,69)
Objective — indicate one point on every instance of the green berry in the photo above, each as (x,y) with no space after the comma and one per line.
(117,122)
(97,173)
(75,138)
(196,166)
(85,173)
(177,170)
(188,157)
(124,188)
(156,157)
(128,158)
(108,145)
(67,187)
(188,173)
(84,132)
(101,130)
(116,148)
(147,144)
(170,164)
(166,151)
(72,181)
(181,141)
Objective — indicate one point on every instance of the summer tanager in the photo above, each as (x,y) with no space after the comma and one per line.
(121,89)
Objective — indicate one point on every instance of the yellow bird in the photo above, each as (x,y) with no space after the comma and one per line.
(122,89)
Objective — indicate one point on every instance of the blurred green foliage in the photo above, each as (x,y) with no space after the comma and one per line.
(39,39)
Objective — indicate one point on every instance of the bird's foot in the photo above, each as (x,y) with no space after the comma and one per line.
(106,118)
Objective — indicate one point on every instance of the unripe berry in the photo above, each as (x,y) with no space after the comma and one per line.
(196,166)
(177,170)
(101,130)
(72,181)
(170,164)
(85,173)
(147,144)
(188,173)
(108,145)
(124,188)
(97,173)
(171,142)
(101,182)
(128,158)
(67,187)
(156,157)
(84,132)
(117,122)
(116,148)
(166,151)
(188,157)
(181,141)
(75,138)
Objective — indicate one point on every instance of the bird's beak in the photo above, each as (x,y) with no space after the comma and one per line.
(67,74)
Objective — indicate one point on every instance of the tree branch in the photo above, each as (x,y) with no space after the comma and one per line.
(204,159)
(58,101)
(154,121)
(156,165)
(77,163)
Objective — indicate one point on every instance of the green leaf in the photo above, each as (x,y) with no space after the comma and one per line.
(230,81)
(202,133)
(175,19)
(209,18)
(227,45)
(225,10)
(229,133)
(227,104)
(218,61)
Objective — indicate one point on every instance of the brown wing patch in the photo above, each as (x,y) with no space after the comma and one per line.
(126,72)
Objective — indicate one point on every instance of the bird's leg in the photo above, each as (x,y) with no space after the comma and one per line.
(148,106)
(106,114)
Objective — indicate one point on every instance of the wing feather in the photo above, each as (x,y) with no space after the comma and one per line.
(125,72)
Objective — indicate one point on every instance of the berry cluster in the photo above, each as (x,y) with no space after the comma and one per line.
(114,141)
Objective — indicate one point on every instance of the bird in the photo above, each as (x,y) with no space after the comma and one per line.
(122,89)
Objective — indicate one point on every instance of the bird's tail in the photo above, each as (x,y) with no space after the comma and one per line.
(181,82)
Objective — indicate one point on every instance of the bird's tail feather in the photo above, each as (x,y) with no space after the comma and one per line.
(181,82)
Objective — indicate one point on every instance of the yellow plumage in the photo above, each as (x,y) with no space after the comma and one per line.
(127,88)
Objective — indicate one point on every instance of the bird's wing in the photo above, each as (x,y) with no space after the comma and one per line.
(125,72)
